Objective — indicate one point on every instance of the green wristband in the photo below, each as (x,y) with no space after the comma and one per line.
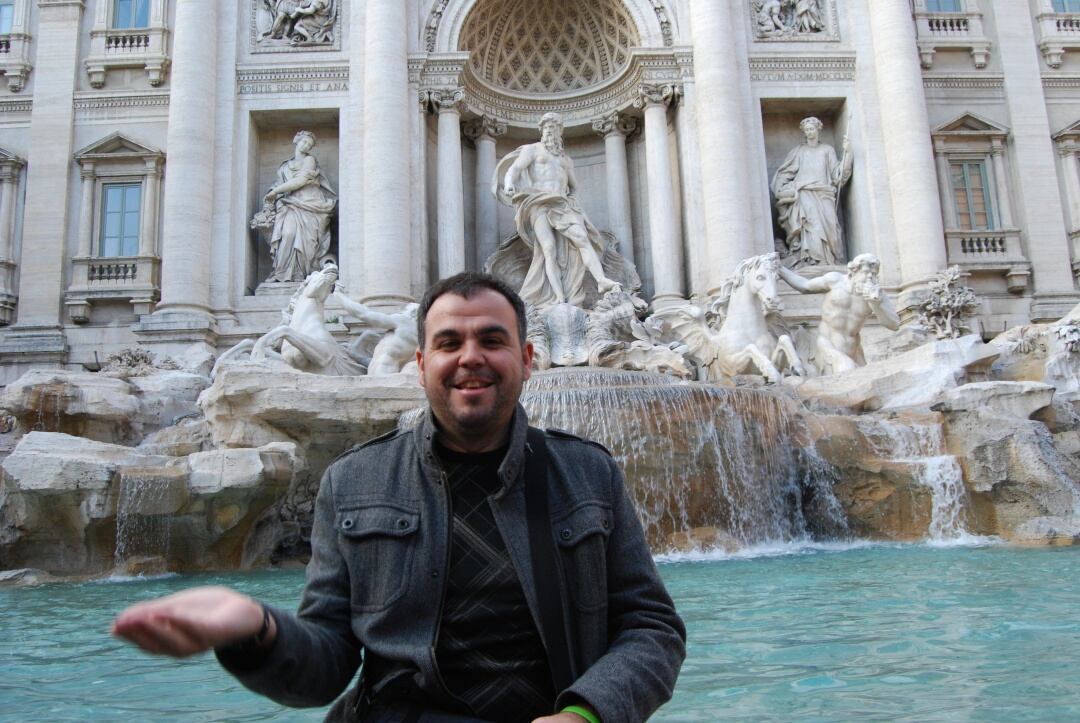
(583,712)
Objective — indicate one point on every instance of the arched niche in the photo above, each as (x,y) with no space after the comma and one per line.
(445,19)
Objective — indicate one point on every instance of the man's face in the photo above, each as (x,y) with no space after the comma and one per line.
(472,367)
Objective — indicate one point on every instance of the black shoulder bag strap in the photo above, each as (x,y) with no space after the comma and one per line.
(545,570)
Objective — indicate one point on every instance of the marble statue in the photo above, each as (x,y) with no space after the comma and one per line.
(538,181)
(307,22)
(620,336)
(850,300)
(774,18)
(302,340)
(393,336)
(746,340)
(297,212)
(807,188)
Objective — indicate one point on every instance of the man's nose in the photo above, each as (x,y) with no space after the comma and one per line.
(472,354)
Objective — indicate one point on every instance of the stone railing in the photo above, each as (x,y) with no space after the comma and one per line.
(1058,32)
(962,30)
(15,60)
(126,41)
(995,251)
(131,278)
(137,48)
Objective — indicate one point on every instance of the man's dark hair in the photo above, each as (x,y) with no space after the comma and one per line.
(466,284)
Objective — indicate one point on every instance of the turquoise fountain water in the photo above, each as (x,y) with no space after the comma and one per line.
(789,632)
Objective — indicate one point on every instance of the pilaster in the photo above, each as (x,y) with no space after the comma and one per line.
(615,128)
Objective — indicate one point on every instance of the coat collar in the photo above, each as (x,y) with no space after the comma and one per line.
(427,432)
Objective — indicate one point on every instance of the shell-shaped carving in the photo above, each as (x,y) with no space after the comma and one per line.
(548,46)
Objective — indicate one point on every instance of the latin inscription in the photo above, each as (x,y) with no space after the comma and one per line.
(297,86)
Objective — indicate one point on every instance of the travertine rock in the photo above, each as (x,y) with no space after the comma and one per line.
(915,378)
(99,407)
(66,504)
(1009,399)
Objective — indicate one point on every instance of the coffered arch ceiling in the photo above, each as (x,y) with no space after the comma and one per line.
(548,46)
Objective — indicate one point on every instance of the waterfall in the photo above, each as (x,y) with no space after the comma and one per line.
(142,530)
(922,447)
(695,455)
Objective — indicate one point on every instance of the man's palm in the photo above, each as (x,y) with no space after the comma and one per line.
(190,622)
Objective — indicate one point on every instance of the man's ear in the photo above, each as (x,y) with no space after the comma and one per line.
(420,364)
(527,358)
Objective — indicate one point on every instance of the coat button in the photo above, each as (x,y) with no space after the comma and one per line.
(607,523)
(402,523)
(434,573)
(347,523)
(566,533)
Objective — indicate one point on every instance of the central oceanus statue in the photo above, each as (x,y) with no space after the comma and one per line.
(745,340)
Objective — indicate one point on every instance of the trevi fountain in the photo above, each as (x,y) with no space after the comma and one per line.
(809,301)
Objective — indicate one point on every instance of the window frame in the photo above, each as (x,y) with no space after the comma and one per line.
(10,16)
(105,182)
(965,162)
(133,20)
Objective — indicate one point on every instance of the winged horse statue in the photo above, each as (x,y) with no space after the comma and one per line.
(744,343)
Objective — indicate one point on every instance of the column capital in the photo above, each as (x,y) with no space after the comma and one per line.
(615,124)
(997,146)
(1068,147)
(86,170)
(442,100)
(651,95)
(485,127)
(153,166)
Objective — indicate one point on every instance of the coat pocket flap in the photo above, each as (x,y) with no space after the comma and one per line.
(579,523)
(386,520)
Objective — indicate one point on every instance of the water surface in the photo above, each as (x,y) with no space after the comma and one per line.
(815,633)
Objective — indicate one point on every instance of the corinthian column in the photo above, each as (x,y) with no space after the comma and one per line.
(451,191)
(615,128)
(483,132)
(665,244)
(909,157)
(386,197)
(722,139)
(187,229)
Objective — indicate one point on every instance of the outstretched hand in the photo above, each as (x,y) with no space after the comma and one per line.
(191,621)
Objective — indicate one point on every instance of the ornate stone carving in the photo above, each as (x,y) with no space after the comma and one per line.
(548,46)
(442,99)
(389,343)
(949,306)
(478,128)
(302,340)
(567,250)
(296,23)
(296,213)
(850,300)
(649,94)
(621,337)
(615,123)
(665,22)
(807,189)
(790,19)
(746,340)
(431,27)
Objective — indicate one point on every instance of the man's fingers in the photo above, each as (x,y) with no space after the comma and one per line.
(161,635)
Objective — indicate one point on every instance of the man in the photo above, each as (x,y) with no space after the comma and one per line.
(807,185)
(850,299)
(421,558)
(538,180)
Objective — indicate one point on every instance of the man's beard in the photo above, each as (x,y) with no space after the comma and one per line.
(869,289)
(553,142)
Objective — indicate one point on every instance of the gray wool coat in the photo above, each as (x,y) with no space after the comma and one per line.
(379,562)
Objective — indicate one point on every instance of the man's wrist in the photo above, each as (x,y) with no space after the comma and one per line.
(586,713)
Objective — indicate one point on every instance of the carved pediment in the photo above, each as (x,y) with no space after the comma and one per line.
(7,158)
(1070,132)
(117,147)
(971,124)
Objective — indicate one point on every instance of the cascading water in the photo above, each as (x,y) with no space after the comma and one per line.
(922,447)
(142,531)
(695,455)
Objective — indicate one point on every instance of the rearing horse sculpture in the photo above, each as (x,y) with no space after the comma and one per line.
(744,342)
